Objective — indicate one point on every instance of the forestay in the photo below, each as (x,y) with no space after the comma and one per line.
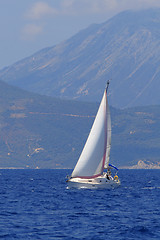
(92,159)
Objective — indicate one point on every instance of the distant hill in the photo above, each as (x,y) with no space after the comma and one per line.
(45,132)
(126,48)
(40,131)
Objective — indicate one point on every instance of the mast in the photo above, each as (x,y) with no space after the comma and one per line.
(108,82)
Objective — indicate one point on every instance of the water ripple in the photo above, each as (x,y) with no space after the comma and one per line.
(35,204)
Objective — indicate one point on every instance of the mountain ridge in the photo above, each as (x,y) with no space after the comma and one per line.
(125,49)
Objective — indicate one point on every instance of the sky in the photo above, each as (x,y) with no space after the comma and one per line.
(27,26)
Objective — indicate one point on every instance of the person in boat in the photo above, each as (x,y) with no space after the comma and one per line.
(108,175)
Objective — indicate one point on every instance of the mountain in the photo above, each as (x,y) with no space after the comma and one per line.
(45,132)
(40,131)
(126,48)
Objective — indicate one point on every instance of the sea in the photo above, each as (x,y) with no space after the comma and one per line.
(36,204)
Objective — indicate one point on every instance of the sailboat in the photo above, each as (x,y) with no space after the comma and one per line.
(93,169)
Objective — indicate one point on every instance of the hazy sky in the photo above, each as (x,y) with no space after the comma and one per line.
(27,26)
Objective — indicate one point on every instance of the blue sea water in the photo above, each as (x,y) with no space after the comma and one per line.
(35,204)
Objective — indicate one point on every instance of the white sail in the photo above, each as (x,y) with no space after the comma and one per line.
(92,160)
(108,137)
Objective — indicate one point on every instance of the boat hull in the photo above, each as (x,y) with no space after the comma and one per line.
(99,182)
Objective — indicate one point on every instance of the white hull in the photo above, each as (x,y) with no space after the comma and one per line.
(99,182)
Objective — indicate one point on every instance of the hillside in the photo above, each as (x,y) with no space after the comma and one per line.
(38,130)
(126,48)
(44,132)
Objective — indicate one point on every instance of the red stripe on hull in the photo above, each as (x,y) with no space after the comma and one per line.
(88,177)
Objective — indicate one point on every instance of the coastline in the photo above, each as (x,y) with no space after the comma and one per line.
(143,165)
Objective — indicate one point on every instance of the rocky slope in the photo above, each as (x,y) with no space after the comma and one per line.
(126,48)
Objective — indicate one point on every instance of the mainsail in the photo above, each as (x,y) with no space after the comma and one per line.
(93,158)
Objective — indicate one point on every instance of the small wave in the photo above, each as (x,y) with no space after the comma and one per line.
(149,188)
(128,187)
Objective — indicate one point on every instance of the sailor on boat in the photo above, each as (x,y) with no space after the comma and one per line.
(108,174)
